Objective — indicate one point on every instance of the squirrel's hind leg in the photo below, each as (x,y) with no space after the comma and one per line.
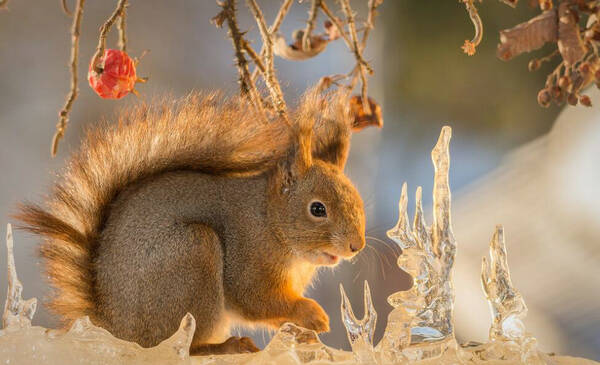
(154,277)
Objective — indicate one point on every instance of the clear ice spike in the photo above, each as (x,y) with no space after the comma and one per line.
(506,303)
(17,312)
(360,332)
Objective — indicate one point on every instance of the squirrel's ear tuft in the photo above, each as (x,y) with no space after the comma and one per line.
(329,113)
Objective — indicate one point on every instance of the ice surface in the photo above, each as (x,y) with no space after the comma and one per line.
(419,329)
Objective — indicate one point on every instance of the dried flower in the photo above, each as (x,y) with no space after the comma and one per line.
(363,119)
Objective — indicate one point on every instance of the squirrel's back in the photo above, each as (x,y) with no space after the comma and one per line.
(206,133)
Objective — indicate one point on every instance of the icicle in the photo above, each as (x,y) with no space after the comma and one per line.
(360,332)
(401,232)
(17,312)
(179,343)
(506,303)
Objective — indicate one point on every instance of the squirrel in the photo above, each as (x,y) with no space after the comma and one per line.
(201,206)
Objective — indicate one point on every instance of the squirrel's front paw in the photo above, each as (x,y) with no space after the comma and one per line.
(309,314)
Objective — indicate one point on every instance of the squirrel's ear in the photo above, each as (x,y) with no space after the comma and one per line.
(299,156)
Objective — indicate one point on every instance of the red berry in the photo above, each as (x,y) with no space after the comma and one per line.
(117,77)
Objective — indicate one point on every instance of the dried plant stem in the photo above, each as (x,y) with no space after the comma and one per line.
(254,56)
(247,87)
(283,10)
(310,24)
(373,4)
(66,8)
(363,67)
(337,23)
(122,28)
(270,79)
(63,115)
(103,32)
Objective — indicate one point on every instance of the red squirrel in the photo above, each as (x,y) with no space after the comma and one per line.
(201,206)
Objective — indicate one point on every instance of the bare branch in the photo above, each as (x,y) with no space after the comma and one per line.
(247,87)
(253,55)
(373,4)
(64,112)
(122,27)
(363,67)
(103,32)
(353,36)
(310,24)
(66,8)
(283,10)
(270,79)
(337,23)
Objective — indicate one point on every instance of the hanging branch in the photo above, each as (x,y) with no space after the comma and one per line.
(66,8)
(373,4)
(470,45)
(122,27)
(64,112)
(247,87)
(337,23)
(310,24)
(363,67)
(283,10)
(270,79)
(97,67)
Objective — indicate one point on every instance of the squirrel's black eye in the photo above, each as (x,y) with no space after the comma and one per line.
(318,209)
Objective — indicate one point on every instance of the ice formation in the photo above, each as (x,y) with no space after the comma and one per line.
(419,330)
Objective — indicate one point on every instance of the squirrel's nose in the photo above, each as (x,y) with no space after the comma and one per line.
(357,245)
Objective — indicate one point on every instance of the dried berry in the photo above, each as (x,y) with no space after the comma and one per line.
(572,99)
(544,98)
(585,100)
(117,76)
(564,82)
(534,64)
(584,68)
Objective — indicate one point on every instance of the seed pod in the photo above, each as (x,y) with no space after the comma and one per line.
(534,64)
(572,99)
(585,100)
(556,92)
(544,98)
(117,77)
(585,68)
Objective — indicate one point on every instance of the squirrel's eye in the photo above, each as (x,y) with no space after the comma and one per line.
(318,209)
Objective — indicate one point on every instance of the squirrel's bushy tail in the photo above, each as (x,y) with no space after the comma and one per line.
(201,132)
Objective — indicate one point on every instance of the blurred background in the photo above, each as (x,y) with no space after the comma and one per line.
(506,167)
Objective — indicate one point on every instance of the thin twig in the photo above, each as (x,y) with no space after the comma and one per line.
(63,115)
(363,66)
(255,57)
(283,10)
(310,25)
(66,8)
(337,23)
(373,4)
(247,87)
(103,32)
(270,79)
(122,28)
